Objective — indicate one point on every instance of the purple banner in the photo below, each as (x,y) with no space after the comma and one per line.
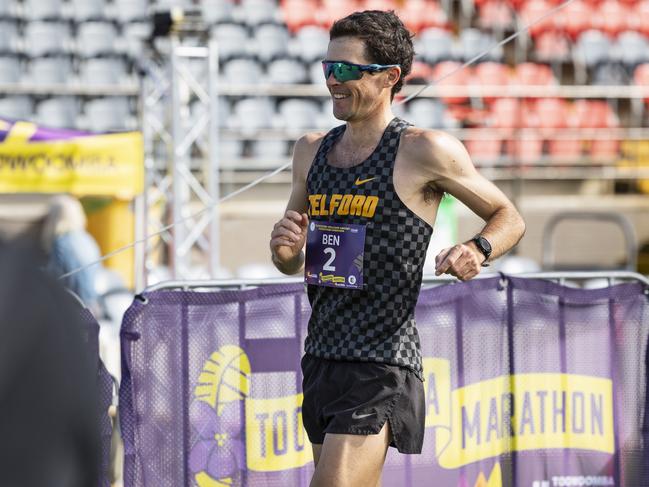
(528,384)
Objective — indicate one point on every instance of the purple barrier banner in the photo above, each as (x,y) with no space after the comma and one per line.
(528,384)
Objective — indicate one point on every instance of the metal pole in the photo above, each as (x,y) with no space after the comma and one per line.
(176,263)
(213,163)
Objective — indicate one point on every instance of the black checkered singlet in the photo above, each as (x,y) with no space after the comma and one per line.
(376,323)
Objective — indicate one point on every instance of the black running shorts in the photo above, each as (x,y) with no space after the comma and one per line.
(357,398)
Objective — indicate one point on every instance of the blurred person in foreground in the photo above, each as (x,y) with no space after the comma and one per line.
(49,428)
(69,247)
(364,200)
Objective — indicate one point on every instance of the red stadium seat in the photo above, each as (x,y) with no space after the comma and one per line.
(598,114)
(533,74)
(333,10)
(612,17)
(484,146)
(641,11)
(506,113)
(420,72)
(551,114)
(495,14)
(533,10)
(555,114)
(490,74)
(565,150)
(604,116)
(575,18)
(442,71)
(421,14)
(298,13)
(552,46)
(377,5)
(605,150)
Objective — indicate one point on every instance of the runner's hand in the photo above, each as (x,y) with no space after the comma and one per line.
(461,261)
(288,236)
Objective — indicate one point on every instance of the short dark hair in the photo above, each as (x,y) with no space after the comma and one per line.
(387,41)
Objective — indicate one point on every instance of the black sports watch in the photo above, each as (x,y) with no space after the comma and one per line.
(483,246)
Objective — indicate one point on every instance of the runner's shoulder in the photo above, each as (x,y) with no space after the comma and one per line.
(429,146)
(310,142)
(306,148)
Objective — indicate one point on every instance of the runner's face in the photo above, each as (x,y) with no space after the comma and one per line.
(355,99)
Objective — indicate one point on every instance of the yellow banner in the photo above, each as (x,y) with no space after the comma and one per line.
(102,165)
(516,413)
(275,437)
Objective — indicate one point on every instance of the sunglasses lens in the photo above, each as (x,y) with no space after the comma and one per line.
(342,71)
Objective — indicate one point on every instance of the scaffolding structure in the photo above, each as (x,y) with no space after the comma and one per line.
(179,109)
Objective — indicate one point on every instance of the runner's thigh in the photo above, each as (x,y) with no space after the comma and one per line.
(351,460)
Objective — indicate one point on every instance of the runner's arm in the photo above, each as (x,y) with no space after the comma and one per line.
(450,169)
(289,233)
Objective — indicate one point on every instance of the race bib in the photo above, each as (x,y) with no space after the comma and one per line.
(334,255)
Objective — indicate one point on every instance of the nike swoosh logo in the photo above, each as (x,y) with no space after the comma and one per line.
(358,181)
(355,415)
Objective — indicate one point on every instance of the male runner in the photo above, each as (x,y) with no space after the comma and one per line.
(366,196)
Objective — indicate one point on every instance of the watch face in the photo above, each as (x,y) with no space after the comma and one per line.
(484,243)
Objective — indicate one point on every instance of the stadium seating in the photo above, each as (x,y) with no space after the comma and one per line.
(49,70)
(449,73)
(495,15)
(484,146)
(552,46)
(58,112)
(106,114)
(16,107)
(96,38)
(286,71)
(100,42)
(45,37)
(298,114)
(633,48)
(83,10)
(592,48)
(426,112)
(232,40)
(269,149)
(42,9)
(491,74)
(102,71)
(435,45)
(7,9)
(422,14)
(252,114)
(312,43)
(614,17)
(299,13)
(256,12)
(575,18)
(531,11)
(242,71)
(272,42)
(132,10)
(10,70)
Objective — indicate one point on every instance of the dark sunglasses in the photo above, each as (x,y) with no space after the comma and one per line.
(344,71)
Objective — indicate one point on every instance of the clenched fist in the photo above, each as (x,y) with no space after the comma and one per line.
(463,261)
(287,240)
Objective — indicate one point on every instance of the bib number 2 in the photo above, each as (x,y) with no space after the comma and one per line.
(332,254)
